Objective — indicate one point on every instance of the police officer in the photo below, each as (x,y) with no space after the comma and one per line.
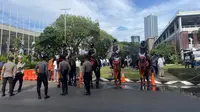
(41,70)
(143,48)
(115,49)
(64,69)
(8,73)
(87,75)
(92,51)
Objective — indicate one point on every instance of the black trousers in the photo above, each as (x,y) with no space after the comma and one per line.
(49,75)
(97,74)
(19,76)
(10,80)
(87,80)
(42,78)
(64,81)
(72,76)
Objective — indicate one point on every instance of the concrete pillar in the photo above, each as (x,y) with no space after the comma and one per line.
(168,33)
(195,39)
(175,27)
(180,24)
(184,38)
(2,30)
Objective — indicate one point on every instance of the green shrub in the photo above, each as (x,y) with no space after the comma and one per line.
(3,58)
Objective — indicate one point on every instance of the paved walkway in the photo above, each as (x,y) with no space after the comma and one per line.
(167,77)
(101,100)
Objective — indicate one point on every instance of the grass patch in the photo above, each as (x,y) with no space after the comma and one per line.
(169,66)
(186,74)
(129,73)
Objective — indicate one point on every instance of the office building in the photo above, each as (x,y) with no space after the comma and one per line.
(150,26)
(179,31)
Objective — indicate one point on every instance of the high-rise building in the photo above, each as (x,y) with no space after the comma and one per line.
(135,39)
(150,26)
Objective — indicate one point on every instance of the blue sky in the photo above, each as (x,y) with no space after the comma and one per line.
(120,18)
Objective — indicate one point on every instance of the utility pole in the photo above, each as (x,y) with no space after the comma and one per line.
(8,40)
(65,22)
(17,24)
(29,23)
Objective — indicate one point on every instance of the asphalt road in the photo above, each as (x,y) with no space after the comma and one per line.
(101,100)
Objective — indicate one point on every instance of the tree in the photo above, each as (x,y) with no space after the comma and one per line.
(103,43)
(79,30)
(166,50)
(48,42)
(129,48)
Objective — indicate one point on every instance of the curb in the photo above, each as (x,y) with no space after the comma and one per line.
(182,82)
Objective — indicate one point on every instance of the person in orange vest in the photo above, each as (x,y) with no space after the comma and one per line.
(50,69)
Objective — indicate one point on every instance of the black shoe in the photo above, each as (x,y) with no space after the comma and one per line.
(92,87)
(39,97)
(58,86)
(46,97)
(19,91)
(3,95)
(12,94)
(87,93)
(63,94)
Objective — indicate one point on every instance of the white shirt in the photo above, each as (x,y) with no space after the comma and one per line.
(160,62)
(55,65)
(78,63)
(163,59)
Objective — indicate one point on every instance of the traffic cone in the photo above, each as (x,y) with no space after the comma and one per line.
(153,88)
(80,80)
(153,80)
(123,78)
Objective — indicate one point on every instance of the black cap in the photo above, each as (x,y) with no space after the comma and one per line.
(114,40)
(91,45)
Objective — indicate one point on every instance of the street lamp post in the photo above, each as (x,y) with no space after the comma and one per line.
(65,21)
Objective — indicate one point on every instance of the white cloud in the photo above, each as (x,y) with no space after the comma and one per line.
(110,13)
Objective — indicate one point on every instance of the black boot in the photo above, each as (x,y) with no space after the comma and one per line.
(39,94)
(12,94)
(39,97)
(3,95)
(46,97)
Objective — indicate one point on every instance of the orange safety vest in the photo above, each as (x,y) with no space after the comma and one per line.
(50,65)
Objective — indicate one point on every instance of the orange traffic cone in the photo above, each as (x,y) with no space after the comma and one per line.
(123,78)
(153,80)
(80,80)
(153,88)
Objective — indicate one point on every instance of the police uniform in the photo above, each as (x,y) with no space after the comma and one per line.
(8,73)
(72,73)
(41,70)
(98,73)
(87,70)
(64,69)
